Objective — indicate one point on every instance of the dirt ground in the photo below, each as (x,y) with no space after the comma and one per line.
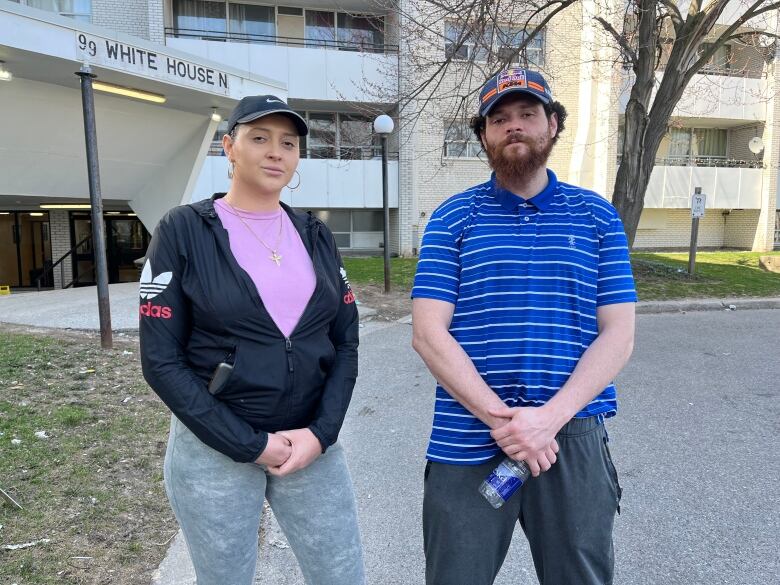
(390,307)
(82,439)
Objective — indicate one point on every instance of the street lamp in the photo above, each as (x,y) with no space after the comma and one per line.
(383,125)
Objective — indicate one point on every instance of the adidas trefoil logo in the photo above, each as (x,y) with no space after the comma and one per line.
(151,287)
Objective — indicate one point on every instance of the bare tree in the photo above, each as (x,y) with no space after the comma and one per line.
(452,46)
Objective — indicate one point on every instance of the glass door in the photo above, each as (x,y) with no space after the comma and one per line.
(9,258)
(83,259)
(25,248)
(126,241)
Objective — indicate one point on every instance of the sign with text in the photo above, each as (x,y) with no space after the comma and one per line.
(123,57)
(698,203)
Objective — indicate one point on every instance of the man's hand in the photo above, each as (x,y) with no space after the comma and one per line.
(528,435)
(276,452)
(305,449)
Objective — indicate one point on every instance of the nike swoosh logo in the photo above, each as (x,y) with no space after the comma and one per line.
(269,100)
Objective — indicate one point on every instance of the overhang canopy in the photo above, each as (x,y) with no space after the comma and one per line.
(150,154)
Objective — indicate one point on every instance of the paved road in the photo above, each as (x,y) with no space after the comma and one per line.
(696,445)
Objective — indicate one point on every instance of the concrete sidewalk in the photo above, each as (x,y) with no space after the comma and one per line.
(76,308)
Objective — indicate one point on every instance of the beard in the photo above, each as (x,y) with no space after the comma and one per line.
(513,167)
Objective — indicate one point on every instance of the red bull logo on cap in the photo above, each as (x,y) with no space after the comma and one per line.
(511,78)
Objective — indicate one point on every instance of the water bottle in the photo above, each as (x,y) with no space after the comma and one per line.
(505,480)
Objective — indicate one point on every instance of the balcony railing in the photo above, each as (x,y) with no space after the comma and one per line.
(705,161)
(312,43)
(709,161)
(728,71)
(327,152)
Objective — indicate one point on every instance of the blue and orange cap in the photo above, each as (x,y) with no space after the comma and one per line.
(510,81)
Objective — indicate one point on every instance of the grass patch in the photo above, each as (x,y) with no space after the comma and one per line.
(91,484)
(659,276)
(662,276)
(370,270)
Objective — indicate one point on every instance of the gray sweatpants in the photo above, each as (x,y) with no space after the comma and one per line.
(567,514)
(218,504)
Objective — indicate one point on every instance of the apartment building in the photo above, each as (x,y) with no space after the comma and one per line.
(335,64)
(729,108)
(340,64)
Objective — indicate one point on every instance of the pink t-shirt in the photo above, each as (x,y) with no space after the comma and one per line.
(285,289)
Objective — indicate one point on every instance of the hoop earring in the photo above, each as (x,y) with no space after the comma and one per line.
(298,184)
(231,168)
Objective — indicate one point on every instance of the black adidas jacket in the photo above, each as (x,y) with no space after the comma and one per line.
(200,308)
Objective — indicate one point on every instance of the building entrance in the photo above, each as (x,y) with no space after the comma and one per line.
(25,248)
(126,241)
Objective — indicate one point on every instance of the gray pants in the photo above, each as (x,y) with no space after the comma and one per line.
(218,504)
(567,514)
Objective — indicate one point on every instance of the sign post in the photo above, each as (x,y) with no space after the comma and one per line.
(96,200)
(698,203)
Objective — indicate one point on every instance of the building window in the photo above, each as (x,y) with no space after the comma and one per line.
(249,22)
(356,138)
(322,136)
(75,9)
(252,22)
(500,42)
(331,136)
(365,33)
(460,141)
(719,62)
(320,28)
(199,16)
(700,146)
(354,229)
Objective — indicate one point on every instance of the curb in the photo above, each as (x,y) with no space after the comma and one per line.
(683,306)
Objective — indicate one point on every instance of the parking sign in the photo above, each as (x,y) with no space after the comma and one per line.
(698,203)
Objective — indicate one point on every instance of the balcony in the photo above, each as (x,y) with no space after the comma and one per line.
(726,95)
(313,69)
(728,184)
(325,183)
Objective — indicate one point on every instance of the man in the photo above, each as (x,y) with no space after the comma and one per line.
(524,313)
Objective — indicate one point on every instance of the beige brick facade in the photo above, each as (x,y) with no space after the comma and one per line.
(719,228)
(579,65)
(59,230)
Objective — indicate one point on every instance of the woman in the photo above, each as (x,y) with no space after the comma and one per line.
(249,334)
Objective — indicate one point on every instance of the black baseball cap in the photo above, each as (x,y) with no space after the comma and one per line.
(256,106)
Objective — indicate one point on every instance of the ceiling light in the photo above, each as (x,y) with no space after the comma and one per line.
(65,206)
(5,75)
(129,92)
(36,214)
(215,117)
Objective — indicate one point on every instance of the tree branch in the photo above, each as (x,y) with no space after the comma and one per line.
(619,38)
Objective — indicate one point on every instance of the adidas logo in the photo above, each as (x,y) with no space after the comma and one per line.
(151,287)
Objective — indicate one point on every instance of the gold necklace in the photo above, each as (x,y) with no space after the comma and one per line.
(275,256)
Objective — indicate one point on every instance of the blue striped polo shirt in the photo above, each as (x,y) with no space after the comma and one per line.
(526,278)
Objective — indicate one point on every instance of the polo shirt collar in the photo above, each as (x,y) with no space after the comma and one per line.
(542,200)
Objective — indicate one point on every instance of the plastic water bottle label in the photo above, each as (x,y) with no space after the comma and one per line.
(504,481)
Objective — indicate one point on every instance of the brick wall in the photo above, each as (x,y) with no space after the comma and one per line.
(741,225)
(127,16)
(672,229)
(427,177)
(59,228)
(739,139)
(156,21)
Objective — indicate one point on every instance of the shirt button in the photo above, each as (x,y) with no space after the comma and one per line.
(526,218)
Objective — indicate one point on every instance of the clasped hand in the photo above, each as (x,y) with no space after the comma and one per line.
(289,451)
(526,436)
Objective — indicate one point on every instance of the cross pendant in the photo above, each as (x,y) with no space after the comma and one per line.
(274,257)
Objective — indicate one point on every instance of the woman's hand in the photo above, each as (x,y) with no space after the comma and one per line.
(276,452)
(305,449)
